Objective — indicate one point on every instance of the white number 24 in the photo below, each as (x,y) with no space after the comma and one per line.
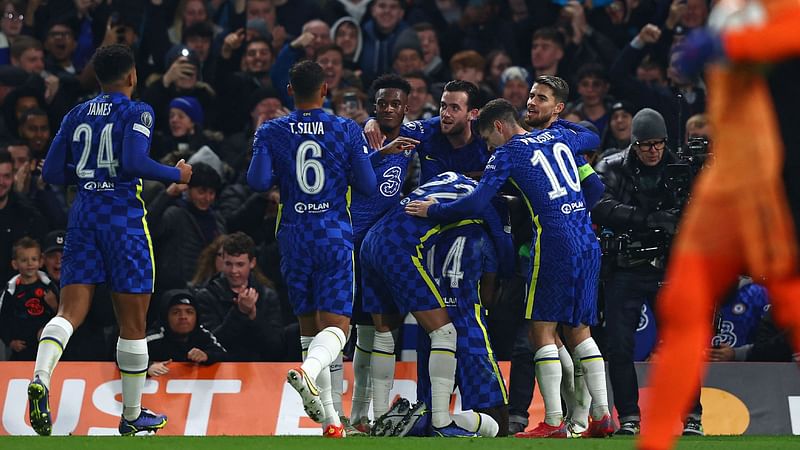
(105,150)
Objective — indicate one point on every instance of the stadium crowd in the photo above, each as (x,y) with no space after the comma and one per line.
(214,71)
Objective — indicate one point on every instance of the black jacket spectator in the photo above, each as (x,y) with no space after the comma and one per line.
(169,343)
(261,339)
(182,228)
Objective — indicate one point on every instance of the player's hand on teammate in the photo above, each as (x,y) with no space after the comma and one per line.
(159,368)
(375,136)
(246,301)
(186,171)
(419,208)
(197,355)
(398,145)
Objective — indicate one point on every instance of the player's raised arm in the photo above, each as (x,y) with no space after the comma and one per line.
(135,155)
(363,176)
(259,174)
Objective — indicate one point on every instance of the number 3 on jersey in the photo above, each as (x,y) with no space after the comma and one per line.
(304,163)
(564,158)
(105,151)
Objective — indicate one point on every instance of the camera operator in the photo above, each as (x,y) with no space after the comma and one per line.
(641,211)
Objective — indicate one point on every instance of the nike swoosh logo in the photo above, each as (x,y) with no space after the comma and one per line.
(429,158)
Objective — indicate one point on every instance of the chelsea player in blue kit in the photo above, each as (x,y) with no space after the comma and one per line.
(564,274)
(464,265)
(395,281)
(447,142)
(391,165)
(314,157)
(102,147)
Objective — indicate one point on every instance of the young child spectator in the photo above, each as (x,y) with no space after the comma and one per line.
(29,301)
(181,338)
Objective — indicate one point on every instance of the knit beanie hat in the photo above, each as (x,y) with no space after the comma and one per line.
(514,73)
(648,124)
(190,106)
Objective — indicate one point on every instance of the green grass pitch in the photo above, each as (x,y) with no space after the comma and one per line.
(314,443)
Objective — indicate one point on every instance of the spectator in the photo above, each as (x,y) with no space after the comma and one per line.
(209,264)
(674,97)
(333,10)
(435,68)
(547,51)
(618,133)
(320,36)
(593,85)
(407,53)
(187,13)
(346,34)
(497,61)
(185,135)
(482,30)
(237,81)
(380,34)
(19,100)
(241,311)
(183,223)
(180,337)
(29,301)
(198,38)
(180,80)
(514,85)
(10,27)
(698,126)
(34,129)
(738,320)
(265,10)
(420,101)
(60,46)
(351,103)
(264,104)
(469,65)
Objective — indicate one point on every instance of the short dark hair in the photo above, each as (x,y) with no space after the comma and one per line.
(112,62)
(5,157)
(24,243)
(593,70)
(497,109)
(559,87)
(31,112)
(204,175)
(238,243)
(199,29)
(390,81)
(327,48)
(257,39)
(424,26)
(419,75)
(550,34)
(469,88)
(23,44)
(306,77)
